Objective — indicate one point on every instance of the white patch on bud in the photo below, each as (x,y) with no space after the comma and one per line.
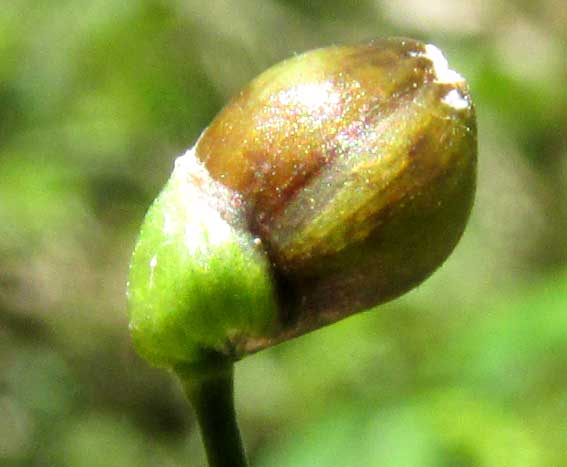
(153,264)
(456,100)
(443,74)
(204,226)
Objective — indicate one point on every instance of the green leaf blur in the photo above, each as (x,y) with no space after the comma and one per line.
(97,99)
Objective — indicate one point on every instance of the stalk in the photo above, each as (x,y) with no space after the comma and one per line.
(211,393)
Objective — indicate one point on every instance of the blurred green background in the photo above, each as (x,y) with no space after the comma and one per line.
(98,97)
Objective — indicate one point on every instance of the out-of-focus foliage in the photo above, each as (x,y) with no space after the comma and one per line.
(96,100)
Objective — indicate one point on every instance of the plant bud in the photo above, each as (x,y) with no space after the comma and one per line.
(335,181)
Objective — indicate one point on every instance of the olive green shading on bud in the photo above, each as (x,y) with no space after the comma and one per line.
(335,181)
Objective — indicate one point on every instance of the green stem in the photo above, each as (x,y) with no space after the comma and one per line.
(211,394)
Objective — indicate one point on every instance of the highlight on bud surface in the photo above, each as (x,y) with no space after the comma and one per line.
(335,181)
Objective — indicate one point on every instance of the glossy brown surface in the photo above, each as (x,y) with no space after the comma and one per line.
(356,169)
(277,133)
